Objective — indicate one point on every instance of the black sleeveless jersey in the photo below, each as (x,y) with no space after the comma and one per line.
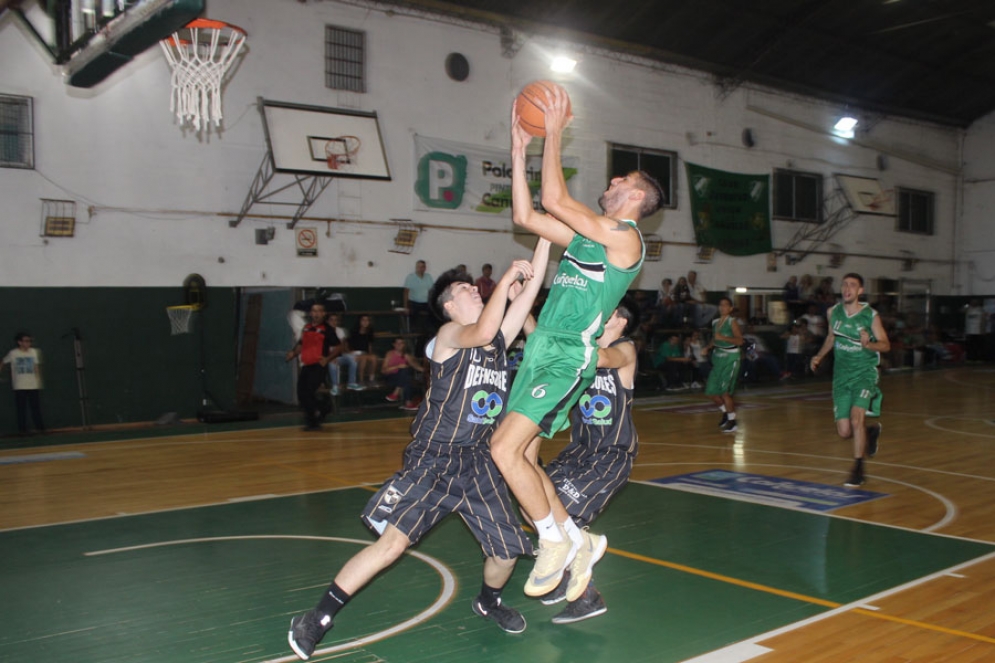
(466,398)
(602,420)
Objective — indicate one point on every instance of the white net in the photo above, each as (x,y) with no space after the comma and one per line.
(180,318)
(200,55)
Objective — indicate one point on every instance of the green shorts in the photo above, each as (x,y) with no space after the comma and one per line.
(554,372)
(724,374)
(863,393)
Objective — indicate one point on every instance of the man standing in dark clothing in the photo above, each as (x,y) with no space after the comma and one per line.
(315,348)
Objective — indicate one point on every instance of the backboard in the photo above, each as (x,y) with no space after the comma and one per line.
(865,195)
(316,140)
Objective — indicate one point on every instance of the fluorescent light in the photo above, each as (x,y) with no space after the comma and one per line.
(562,64)
(741,289)
(844,127)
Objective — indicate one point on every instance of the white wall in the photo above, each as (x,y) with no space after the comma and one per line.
(161,197)
(976,269)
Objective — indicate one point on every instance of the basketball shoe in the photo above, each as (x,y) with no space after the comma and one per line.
(590,604)
(551,560)
(508,619)
(306,631)
(591,550)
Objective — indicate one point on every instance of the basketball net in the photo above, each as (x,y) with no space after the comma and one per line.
(341,151)
(200,54)
(179,318)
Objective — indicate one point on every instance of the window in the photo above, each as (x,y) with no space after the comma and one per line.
(345,59)
(797,196)
(16,132)
(915,211)
(661,164)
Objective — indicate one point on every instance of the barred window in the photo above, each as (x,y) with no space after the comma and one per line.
(17,148)
(661,164)
(915,211)
(797,196)
(345,59)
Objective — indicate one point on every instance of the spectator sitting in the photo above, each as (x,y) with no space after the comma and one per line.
(345,358)
(667,315)
(672,363)
(361,347)
(815,322)
(699,366)
(398,368)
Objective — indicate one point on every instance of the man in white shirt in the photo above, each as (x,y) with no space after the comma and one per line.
(25,369)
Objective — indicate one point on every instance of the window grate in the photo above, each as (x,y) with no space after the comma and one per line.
(797,196)
(915,211)
(17,148)
(345,59)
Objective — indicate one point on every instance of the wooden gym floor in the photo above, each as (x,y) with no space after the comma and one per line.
(200,547)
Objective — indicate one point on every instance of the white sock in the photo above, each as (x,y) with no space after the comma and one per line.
(722,408)
(547,529)
(571,529)
(732,416)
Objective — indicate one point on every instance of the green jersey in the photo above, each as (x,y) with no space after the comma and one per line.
(586,289)
(723,326)
(853,361)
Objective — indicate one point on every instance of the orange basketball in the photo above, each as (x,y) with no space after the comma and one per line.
(530,116)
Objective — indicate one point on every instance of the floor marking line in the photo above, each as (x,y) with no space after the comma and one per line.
(924,625)
(726,579)
(446,593)
(789,628)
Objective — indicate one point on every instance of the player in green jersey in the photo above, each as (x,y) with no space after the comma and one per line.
(726,356)
(859,338)
(604,254)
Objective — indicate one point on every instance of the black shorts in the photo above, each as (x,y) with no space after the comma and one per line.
(440,479)
(586,484)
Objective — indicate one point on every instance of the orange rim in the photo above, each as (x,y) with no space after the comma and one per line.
(211,24)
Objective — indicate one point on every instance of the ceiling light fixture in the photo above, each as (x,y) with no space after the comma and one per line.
(845,126)
(563,64)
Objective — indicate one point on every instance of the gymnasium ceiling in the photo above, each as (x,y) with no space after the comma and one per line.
(925,59)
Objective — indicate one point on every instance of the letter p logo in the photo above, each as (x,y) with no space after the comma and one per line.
(441,180)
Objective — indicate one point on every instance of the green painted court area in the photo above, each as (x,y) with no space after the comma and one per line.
(220,583)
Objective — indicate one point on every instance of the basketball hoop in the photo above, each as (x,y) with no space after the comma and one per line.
(341,151)
(179,317)
(200,54)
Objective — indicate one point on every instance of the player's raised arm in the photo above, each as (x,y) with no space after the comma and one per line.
(522,212)
(623,199)
(520,308)
(480,331)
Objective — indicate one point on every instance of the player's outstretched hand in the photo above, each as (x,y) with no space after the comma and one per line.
(557,110)
(520,269)
(520,138)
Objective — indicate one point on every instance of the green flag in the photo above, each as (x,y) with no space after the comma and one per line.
(730,211)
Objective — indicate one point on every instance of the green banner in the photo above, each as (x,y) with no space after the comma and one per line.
(730,211)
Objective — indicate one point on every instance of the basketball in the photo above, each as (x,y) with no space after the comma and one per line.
(530,116)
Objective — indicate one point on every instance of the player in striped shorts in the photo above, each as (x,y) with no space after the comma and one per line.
(447,466)
(597,463)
